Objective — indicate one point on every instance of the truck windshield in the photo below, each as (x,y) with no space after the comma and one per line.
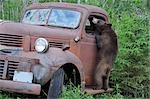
(55,17)
(36,16)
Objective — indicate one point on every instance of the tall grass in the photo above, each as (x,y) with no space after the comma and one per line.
(130,76)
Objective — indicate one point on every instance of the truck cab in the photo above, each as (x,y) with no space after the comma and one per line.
(53,44)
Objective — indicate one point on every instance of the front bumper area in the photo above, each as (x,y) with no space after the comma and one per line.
(9,64)
(20,87)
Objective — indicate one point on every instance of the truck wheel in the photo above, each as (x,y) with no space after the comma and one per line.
(56,84)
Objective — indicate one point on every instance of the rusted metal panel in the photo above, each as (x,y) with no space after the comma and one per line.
(55,58)
(26,43)
(20,87)
(82,53)
(11,40)
(5,70)
(19,59)
(11,63)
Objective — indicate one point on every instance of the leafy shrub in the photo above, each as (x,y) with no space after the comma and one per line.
(11,11)
(132,63)
(72,92)
(3,96)
(131,72)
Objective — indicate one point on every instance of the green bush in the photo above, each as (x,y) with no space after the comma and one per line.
(72,92)
(131,72)
(3,96)
(11,11)
(132,65)
(130,75)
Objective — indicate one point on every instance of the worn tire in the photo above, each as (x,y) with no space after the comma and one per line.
(56,84)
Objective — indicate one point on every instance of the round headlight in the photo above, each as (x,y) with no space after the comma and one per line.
(41,45)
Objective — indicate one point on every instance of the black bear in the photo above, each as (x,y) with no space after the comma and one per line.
(106,40)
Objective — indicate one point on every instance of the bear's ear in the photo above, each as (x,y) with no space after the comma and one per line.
(95,20)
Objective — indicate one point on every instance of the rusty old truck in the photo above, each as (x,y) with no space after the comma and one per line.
(53,44)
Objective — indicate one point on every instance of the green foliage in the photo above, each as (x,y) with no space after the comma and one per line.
(131,71)
(72,92)
(3,96)
(132,66)
(130,75)
(11,11)
(7,95)
(107,96)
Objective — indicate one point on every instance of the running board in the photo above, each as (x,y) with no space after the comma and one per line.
(97,91)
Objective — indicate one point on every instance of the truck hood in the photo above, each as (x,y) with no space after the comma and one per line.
(39,31)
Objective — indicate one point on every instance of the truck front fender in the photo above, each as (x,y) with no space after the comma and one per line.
(51,61)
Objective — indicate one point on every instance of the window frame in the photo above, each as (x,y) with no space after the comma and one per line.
(100,15)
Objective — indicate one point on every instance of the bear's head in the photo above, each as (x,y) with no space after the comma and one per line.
(101,25)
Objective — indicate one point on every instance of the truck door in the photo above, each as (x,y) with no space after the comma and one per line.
(89,50)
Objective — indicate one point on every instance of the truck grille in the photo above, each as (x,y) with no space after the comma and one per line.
(56,44)
(11,40)
(1,68)
(9,71)
(12,66)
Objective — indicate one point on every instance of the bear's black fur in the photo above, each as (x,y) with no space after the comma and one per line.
(106,40)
